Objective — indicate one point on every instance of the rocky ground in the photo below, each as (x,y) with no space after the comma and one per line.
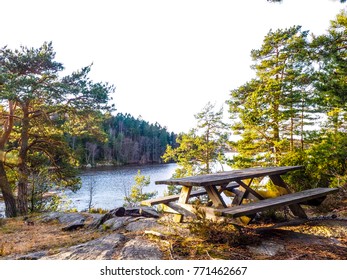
(143,234)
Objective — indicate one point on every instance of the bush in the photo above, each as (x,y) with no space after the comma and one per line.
(324,161)
(137,193)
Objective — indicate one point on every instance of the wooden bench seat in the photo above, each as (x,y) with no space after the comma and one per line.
(171,198)
(284,200)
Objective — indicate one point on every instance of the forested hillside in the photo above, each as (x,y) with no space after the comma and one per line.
(125,140)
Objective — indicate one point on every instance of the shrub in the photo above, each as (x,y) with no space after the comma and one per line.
(137,193)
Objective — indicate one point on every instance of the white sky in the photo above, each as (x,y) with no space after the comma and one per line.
(167,59)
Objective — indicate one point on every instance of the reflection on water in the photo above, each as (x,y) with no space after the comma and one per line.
(111,184)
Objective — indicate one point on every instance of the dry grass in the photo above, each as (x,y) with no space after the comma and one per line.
(321,239)
(17,237)
(200,240)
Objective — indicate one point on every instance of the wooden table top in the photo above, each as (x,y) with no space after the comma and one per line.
(228,176)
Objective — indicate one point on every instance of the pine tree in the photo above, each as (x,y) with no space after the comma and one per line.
(271,110)
(202,147)
(36,101)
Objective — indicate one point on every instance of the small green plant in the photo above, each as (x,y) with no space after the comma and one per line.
(171,190)
(59,202)
(72,210)
(137,193)
(105,227)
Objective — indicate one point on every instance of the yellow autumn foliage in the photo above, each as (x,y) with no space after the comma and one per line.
(272,192)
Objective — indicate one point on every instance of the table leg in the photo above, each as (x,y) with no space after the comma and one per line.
(241,195)
(249,189)
(184,197)
(215,197)
(295,208)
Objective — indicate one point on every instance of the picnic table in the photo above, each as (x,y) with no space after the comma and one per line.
(240,183)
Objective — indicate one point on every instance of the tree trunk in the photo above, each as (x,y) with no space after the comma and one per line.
(22,199)
(292,125)
(302,126)
(276,136)
(10,202)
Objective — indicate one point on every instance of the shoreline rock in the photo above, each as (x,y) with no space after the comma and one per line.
(113,245)
(136,237)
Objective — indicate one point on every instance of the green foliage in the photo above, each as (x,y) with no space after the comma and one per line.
(297,82)
(105,227)
(271,110)
(123,140)
(202,148)
(37,107)
(324,161)
(325,153)
(137,193)
(172,190)
(187,155)
(38,188)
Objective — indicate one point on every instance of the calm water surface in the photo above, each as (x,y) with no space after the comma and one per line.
(112,183)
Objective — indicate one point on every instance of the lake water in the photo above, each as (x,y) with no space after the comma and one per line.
(111,184)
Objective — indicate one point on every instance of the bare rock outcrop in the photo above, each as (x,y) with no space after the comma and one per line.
(140,249)
(99,249)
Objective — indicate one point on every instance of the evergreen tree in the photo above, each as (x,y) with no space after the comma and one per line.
(137,193)
(126,140)
(200,149)
(330,54)
(272,109)
(36,102)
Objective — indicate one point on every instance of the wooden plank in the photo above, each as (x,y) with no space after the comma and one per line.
(189,210)
(171,198)
(167,209)
(239,196)
(183,199)
(178,218)
(288,199)
(184,195)
(221,178)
